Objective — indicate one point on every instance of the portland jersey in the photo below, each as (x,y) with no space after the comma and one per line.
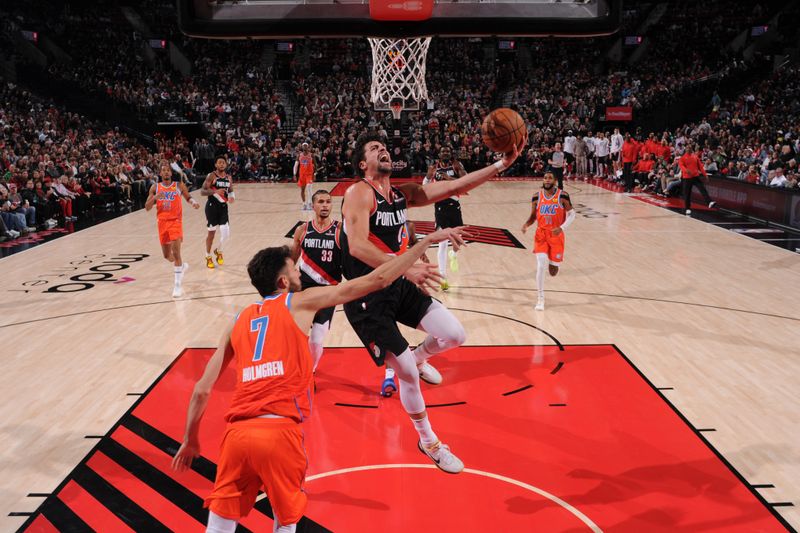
(444,172)
(273,363)
(549,211)
(387,230)
(221,186)
(170,208)
(320,259)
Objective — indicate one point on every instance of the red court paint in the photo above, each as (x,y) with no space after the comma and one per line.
(617,452)
(554,441)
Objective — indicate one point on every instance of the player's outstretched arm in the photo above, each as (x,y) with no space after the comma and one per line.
(151,198)
(306,303)
(187,196)
(190,448)
(419,195)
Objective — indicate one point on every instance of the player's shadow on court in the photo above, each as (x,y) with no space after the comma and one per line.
(342,499)
(687,480)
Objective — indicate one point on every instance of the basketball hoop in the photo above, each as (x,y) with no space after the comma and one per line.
(398,71)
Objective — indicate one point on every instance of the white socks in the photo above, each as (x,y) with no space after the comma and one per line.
(179,275)
(224,235)
(218,524)
(389,373)
(442,256)
(541,267)
(426,434)
(277,528)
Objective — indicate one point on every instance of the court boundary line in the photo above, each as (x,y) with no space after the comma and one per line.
(705,441)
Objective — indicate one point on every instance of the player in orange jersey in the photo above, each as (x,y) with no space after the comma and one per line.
(552,211)
(268,343)
(304,174)
(166,196)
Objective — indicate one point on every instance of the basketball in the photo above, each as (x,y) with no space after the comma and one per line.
(503,129)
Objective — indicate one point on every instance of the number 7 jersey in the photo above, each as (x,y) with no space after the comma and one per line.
(274,368)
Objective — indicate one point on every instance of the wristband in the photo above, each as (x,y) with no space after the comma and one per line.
(231,195)
(193,201)
(499,166)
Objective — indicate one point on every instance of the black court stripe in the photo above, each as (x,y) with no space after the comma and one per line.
(168,445)
(509,393)
(115,501)
(167,487)
(204,467)
(558,367)
(339,404)
(432,405)
(62,517)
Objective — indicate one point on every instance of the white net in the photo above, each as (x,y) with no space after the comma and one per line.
(398,70)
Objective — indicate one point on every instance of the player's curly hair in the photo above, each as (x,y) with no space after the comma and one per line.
(265,267)
(359,152)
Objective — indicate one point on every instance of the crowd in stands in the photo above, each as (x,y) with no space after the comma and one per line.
(58,165)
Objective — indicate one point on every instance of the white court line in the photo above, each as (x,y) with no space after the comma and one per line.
(555,499)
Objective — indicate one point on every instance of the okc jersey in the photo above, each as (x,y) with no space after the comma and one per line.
(306,166)
(320,259)
(170,207)
(549,211)
(273,363)
(387,230)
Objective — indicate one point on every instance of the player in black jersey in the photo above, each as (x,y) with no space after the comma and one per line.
(218,186)
(318,255)
(447,210)
(375,215)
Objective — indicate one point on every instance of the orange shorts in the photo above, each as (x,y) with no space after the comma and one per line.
(261,452)
(302,181)
(170,230)
(544,242)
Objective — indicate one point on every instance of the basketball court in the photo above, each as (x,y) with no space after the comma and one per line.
(656,392)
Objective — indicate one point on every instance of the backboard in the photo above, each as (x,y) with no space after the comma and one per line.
(276,19)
